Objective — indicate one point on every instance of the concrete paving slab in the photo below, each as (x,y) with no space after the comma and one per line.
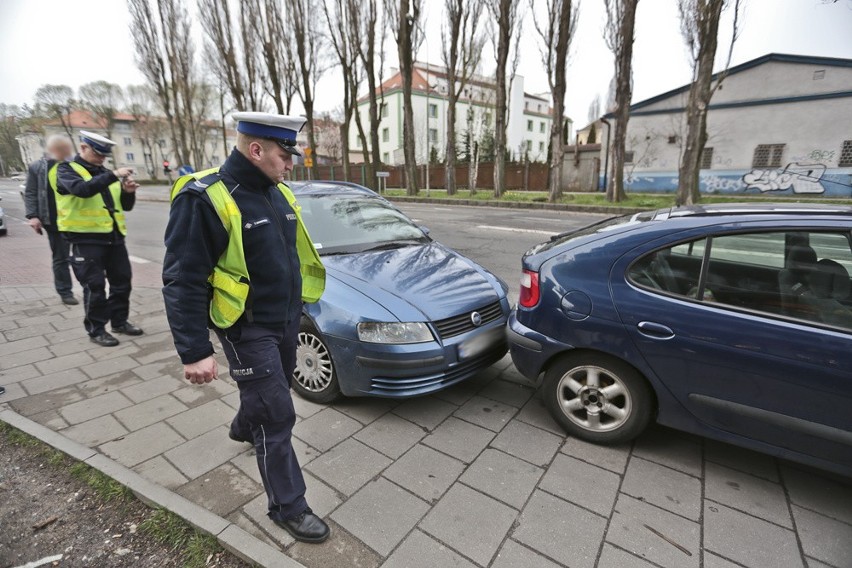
(561,530)
(305,453)
(527,442)
(243,521)
(341,550)
(322,499)
(470,522)
(94,407)
(814,491)
(149,412)
(348,466)
(487,413)
(612,557)
(43,383)
(715,561)
(17,374)
(103,367)
(143,444)
(51,419)
(535,414)
(381,514)
(749,541)
(428,411)
(110,383)
(96,431)
(750,494)
(459,393)
(256,510)
(507,392)
(222,490)
(613,458)
(50,400)
(203,453)
(664,487)
(514,555)
(420,550)
(14,391)
(741,459)
(152,388)
(824,538)
(654,534)
(391,435)
(23,358)
(670,448)
(250,549)
(326,429)
(161,472)
(504,477)
(305,408)
(365,410)
(460,439)
(581,483)
(425,472)
(12,347)
(201,419)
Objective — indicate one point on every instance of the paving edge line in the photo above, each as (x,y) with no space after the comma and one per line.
(233,538)
(497,204)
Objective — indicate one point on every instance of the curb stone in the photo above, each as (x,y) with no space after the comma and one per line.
(231,537)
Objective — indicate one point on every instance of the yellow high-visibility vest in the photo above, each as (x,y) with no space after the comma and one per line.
(86,214)
(230,278)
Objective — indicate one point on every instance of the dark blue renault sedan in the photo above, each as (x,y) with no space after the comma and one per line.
(402,315)
(730,321)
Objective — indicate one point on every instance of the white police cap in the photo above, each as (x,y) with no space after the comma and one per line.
(100,144)
(278,127)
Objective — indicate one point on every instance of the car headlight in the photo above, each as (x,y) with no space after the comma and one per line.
(394,332)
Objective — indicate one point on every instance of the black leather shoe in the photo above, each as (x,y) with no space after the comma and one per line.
(307,527)
(69,300)
(233,435)
(127,329)
(104,340)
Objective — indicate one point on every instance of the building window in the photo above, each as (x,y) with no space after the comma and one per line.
(628,156)
(529,126)
(357,142)
(845,155)
(707,158)
(127,141)
(433,111)
(386,157)
(526,105)
(541,127)
(539,108)
(384,110)
(672,138)
(385,134)
(768,156)
(129,157)
(541,146)
(487,119)
(529,145)
(433,136)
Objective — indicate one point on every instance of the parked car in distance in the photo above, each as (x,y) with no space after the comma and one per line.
(402,315)
(729,321)
(3,228)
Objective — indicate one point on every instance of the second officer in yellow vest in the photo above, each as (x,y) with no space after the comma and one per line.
(240,261)
(90,205)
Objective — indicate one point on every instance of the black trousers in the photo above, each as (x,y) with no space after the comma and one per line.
(262,362)
(94,265)
(61,272)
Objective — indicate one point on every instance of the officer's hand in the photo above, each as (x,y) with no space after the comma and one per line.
(129,186)
(201,372)
(122,172)
(35,223)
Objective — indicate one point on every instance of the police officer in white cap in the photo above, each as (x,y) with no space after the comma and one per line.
(240,261)
(90,205)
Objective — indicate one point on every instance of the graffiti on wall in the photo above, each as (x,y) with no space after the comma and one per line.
(798,177)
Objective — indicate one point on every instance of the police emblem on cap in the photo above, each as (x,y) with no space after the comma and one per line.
(100,144)
(278,127)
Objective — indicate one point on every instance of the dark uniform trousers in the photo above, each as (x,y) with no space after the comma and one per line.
(94,265)
(262,361)
(59,250)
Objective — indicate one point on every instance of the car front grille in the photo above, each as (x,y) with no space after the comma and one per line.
(456,325)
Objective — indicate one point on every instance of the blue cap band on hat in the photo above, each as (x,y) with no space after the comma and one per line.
(96,146)
(266,131)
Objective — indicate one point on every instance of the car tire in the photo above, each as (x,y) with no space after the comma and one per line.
(315,376)
(2,232)
(597,398)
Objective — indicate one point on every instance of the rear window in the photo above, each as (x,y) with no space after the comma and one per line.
(607,225)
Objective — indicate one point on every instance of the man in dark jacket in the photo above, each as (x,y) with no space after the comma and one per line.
(258,325)
(91,202)
(40,204)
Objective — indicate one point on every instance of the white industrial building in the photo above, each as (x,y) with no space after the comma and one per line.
(528,130)
(779,123)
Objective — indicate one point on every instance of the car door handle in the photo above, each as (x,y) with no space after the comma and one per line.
(655,330)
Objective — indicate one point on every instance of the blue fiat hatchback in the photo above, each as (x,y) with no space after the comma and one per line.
(402,315)
(731,321)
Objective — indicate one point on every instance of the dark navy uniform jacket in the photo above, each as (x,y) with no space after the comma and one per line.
(196,238)
(69,181)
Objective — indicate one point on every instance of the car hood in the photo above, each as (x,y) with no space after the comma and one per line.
(415,282)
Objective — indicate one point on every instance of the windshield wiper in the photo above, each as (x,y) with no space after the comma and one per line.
(393,245)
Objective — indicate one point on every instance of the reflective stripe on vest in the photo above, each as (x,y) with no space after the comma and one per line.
(85,214)
(230,277)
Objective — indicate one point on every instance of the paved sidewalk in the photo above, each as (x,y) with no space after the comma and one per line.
(478,475)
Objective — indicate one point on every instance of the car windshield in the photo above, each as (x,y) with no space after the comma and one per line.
(348,223)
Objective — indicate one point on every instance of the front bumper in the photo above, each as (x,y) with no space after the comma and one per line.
(530,349)
(402,371)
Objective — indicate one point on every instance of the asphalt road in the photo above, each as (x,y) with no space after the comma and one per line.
(496,238)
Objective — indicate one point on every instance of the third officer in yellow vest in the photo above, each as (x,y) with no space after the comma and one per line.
(90,205)
(240,261)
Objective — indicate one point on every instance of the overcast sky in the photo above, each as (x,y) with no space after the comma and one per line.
(47,41)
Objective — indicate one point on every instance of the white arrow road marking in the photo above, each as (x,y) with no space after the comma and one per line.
(138,260)
(515,230)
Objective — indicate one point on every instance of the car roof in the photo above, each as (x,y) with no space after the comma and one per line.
(328,187)
(754,209)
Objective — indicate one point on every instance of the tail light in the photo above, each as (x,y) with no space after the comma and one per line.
(530,292)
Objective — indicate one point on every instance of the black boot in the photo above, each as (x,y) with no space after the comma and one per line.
(127,328)
(307,527)
(104,339)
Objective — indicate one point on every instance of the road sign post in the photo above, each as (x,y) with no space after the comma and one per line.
(383,181)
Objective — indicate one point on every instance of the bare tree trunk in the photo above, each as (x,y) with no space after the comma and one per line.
(700,28)
(505,13)
(363,36)
(407,19)
(619,34)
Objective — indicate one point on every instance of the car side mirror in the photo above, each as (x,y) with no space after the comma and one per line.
(425,229)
